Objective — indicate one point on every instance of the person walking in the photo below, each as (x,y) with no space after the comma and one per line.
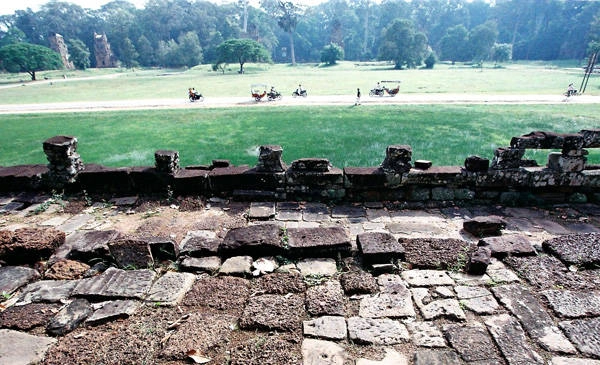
(357,97)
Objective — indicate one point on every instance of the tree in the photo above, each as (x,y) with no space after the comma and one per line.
(241,51)
(331,53)
(481,40)
(501,52)
(147,56)
(128,53)
(189,49)
(403,45)
(430,60)
(30,58)
(11,36)
(453,45)
(79,54)
(287,14)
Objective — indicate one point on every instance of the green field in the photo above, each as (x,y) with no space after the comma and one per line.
(346,135)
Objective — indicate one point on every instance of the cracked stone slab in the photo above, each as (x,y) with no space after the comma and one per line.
(110,310)
(51,291)
(510,338)
(88,245)
(261,210)
(392,357)
(315,212)
(472,342)
(18,348)
(170,288)
(426,278)
(477,299)
(199,243)
(116,283)
(573,304)
(435,357)
(326,327)
(584,334)
(76,222)
(237,265)
(392,284)
(440,308)
(14,277)
(318,242)
(379,247)
(500,274)
(317,267)
(426,334)
(208,264)
(325,299)
(575,249)
(320,352)
(536,321)
(387,305)
(257,240)
(69,317)
(514,245)
(377,331)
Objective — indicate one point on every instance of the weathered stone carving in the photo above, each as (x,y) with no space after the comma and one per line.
(64,163)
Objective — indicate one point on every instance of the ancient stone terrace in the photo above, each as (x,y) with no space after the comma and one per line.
(185,280)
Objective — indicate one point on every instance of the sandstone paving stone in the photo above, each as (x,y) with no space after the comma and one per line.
(208,264)
(472,342)
(433,253)
(534,318)
(131,253)
(199,243)
(320,352)
(261,210)
(274,312)
(550,226)
(435,357)
(576,249)
(426,334)
(18,348)
(14,277)
(315,212)
(391,284)
(69,317)
(377,331)
(379,247)
(75,222)
(378,215)
(170,288)
(461,278)
(318,242)
(325,299)
(498,273)
(392,357)
(55,221)
(88,245)
(513,244)
(51,291)
(116,283)
(426,277)
(288,215)
(441,308)
(256,240)
(510,338)
(584,334)
(317,267)
(573,304)
(110,310)
(560,360)
(348,211)
(387,305)
(477,299)
(28,316)
(66,270)
(484,226)
(326,327)
(202,332)
(237,265)
(358,282)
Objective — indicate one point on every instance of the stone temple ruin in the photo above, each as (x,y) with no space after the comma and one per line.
(506,179)
(105,58)
(57,43)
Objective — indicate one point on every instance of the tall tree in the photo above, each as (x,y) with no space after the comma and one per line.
(30,58)
(287,14)
(453,45)
(403,45)
(128,54)
(241,51)
(79,54)
(481,40)
(189,49)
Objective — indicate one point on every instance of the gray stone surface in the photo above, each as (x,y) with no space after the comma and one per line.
(317,267)
(441,308)
(435,357)
(170,288)
(559,360)
(237,265)
(107,311)
(392,357)
(326,327)
(116,283)
(18,348)
(358,282)
(319,352)
(318,242)
(257,240)
(576,249)
(14,277)
(477,299)
(325,299)
(584,334)
(131,253)
(200,243)
(69,317)
(274,312)
(484,226)
(511,340)
(426,278)
(47,291)
(76,222)
(573,304)
(208,264)
(534,318)
(426,334)
(387,305)
(514,245)
(90,244)
(378,331)
(472,342)
(261,210)
(435,253)
(379,247)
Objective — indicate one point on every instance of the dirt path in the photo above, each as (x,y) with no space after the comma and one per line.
(228,102)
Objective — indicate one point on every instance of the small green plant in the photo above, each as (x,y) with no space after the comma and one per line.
(284,237)
(86,198)
(6,296)
(461,261)
(315,279)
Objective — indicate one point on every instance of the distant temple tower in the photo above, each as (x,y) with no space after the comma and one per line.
(104,56)
(57,43)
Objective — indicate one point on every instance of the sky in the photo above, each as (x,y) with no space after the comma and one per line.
(8,7)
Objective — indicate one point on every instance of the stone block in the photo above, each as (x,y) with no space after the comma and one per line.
(89,245)
(210,264)
(190,181)
(573,304)
(358,282)
(575,249)
(269,159)
(507,158)
(131,253)
(29,245)
(318,242)
(361,178)
(320,352)
(311,165)
(435,253)
(326,327)
(584,334)
(377,331)
(325,299)
(397,159)
(379,247)
(170,288)
(69,318)
(101,179)
(166,161)
(591,138)
(484,226)
(14,277)
(258,240)
(111,310)
(479,261)
(561,163)
(22,348)
(513,245)
(274,312)
(115,284)
(477,164)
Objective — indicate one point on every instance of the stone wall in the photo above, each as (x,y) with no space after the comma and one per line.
(57,43)
(506,179)
(104,55)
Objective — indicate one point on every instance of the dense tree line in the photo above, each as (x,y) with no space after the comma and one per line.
(177,33)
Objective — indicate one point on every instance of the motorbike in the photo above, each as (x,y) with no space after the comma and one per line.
(377,92)
(302,93)
(273,95)
(195,96)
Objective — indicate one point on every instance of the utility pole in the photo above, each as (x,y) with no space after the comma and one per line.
(588,71)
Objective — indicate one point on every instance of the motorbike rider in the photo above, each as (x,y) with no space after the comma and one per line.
(378,89)
(571,90)
(273,92)
(299,90)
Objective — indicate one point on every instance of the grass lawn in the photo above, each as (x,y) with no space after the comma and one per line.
(347,136)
